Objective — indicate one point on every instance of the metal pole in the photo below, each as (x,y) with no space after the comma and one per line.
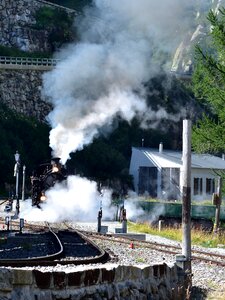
(124,221)
(186,194)
(17,190)
(99,220)
(218,204)
(23,185)
(16,174)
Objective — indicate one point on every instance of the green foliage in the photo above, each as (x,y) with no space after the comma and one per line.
(78,5)
(27,136)
(209,88)
(57,22)
(15,52)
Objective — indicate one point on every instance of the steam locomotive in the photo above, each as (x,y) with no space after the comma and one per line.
(44,177)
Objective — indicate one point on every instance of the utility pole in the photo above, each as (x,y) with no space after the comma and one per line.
(184,261)
(186,193)
(218,197)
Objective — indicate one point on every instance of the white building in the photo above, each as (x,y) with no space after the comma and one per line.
(158,173)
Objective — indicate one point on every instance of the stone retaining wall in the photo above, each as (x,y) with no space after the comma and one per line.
(16,21)
(20,90)
(108,281)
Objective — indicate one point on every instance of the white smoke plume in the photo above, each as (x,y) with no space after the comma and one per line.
(76,199)
(102,76)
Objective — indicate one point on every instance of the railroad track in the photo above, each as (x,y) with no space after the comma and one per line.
(68,247)
(205,256)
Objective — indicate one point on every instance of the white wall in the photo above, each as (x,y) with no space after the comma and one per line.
(202,173)
(138,160)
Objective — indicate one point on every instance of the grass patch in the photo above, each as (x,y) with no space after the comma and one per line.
(140,260)
(216,295)
(198,237)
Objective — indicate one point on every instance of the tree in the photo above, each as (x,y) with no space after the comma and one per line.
(209,88)
(58,23)
(26,135)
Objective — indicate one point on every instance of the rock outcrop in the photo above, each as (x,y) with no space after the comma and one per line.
(183,59)
(17,25)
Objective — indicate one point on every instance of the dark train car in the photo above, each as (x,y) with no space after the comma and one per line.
(44,177)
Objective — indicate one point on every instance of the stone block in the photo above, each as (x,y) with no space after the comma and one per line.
(159,270)
(104,229)
(136,273)
(22,277)
(59,280)
(118,230)
(122,273)
(91,277)
(42,279)
(6,278)
(162,270)
(108,275)
(147,272)
(75,279)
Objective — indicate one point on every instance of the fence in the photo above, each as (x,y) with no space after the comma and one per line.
(27,61)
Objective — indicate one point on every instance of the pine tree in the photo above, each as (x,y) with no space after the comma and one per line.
(209,88)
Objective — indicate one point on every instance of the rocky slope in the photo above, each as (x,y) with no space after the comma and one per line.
(184,55)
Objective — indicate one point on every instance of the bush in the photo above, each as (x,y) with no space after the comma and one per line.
(27,136)
(15,52)
(57,22)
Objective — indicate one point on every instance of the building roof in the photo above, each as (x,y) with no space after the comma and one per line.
(173,159)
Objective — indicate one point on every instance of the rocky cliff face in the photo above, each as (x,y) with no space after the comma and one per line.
(20,90)
(184,55)
(17,21)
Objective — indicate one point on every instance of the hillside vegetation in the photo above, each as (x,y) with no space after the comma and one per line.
(25,135)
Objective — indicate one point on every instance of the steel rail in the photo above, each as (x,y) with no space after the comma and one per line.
(57,258)
(170,249)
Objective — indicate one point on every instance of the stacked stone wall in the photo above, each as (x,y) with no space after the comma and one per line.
(93,282)
(20,90)
(17,21)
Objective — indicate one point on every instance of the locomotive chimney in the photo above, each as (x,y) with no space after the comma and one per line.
(161,147)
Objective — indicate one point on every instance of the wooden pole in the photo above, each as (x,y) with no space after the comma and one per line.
(218,204)
(186,194)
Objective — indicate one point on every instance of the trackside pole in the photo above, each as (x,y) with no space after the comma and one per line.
(186,191)
(184,260)
(99,220)
(218,204)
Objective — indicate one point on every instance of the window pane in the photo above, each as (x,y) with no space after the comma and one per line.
(197,186)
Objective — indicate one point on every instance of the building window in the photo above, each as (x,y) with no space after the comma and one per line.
(197,186)
(210,185)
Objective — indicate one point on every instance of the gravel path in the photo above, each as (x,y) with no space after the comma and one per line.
(207,279)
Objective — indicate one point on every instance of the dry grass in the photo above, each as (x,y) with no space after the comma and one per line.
(198,237)
(216,296)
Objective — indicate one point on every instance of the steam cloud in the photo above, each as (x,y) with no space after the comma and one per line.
(102,76)
(76,199)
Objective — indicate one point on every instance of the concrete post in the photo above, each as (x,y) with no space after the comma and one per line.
(218,204)
(186,195)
